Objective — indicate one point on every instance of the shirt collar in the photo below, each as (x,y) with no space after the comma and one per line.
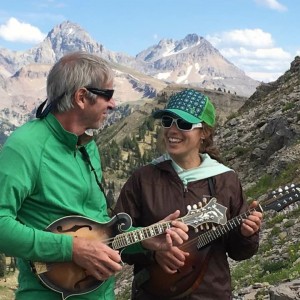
(65,137)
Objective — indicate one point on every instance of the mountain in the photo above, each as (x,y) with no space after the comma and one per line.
(23,74)
(193,60)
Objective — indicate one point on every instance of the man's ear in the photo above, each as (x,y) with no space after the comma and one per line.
(80,98)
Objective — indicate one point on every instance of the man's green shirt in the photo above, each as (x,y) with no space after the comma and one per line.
(43,178)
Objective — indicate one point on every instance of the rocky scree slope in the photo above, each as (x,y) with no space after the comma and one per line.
(263,136)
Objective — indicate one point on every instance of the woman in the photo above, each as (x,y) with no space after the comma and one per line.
(189,173)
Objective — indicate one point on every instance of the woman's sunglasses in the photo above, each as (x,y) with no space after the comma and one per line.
(167,122)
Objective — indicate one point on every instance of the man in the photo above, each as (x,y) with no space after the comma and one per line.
(46,175)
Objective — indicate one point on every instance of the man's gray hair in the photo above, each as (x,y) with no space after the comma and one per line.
(72,72)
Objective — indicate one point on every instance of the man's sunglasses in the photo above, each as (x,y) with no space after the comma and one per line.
(107,94)
(167,122)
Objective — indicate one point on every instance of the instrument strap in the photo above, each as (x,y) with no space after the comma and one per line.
(86,157)
(211,186)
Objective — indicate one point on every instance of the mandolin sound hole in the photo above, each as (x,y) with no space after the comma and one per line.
(73,228)
(84,283)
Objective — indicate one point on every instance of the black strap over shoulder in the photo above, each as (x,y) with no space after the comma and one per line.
(86,157)
(40,113)
(211,185)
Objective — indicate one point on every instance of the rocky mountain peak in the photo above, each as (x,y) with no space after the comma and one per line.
(193,60)
(165,43)
(65,29)
(193,38)
(64,38)
(190,40)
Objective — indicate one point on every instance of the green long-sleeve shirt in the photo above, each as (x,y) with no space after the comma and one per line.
(43,178)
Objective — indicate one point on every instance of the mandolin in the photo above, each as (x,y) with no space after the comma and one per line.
(70,279)
(188,278)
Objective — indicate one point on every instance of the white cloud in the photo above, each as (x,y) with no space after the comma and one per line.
(265,77)
(254,52)
(261,54)
(272,4)
(244,37)
(16,31)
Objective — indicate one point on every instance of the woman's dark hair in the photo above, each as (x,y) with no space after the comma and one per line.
(208,145)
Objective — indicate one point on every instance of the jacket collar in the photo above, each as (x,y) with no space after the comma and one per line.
(65,137)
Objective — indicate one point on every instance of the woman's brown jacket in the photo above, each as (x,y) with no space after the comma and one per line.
(155,191)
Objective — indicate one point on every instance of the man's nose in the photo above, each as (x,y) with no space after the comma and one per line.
(112,102)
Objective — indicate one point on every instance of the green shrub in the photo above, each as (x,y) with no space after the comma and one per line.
(239,151)
(288,106)
(289,223)
(272,267)
(275,231)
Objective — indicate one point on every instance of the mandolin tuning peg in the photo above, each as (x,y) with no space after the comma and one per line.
(274,195)
(196,230)
(201,227)
(280,190)
(189,207)
(195,206)
(207,226)
(200,204)
(204,200)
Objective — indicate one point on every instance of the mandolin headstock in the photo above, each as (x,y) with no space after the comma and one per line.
(212,212)
(282,197)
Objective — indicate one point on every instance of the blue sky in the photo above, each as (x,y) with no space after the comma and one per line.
(258,36)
